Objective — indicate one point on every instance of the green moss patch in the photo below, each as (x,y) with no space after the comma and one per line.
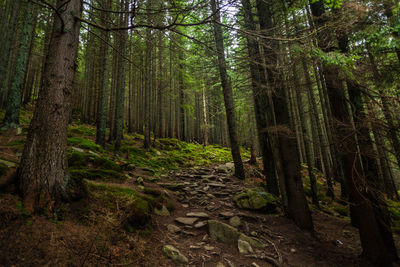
(84,143)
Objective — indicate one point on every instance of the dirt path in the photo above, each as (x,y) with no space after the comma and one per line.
(207,194)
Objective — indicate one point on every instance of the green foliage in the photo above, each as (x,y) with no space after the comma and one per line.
(331,3)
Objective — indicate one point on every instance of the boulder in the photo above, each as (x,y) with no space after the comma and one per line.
(223,232)
(174,254)
(256,199)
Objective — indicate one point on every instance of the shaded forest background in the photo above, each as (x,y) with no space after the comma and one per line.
(301,84)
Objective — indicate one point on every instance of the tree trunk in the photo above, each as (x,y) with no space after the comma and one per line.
(43,171)
(11,119)
(227,91)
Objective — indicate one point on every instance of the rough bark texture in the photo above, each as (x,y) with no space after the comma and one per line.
(43,171)
(228,97)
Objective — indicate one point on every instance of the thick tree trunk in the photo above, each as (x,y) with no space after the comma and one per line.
(43,171)
(228,97)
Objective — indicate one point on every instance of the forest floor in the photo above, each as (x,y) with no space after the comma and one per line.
(178,194)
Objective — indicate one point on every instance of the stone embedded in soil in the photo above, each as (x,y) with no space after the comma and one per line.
(217,185)
(185,205)
(162,212)
(220,264)
(255,265)
(209,248)
(244,247)
(200,224)
(227,214)
(252,241)
(172,186)
(77,149)
(198,214)
(174,254)
(235,221)
(173,228)
(186,221)
(223,232)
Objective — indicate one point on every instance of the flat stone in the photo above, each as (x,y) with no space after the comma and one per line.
(185,205)
(174,254)
(227,214)
(198,214)
(209,248)
(244,247)
(220,264)
(255,265)
(173,228)
(172,185)
(186,221)
(200,224)
(235,221)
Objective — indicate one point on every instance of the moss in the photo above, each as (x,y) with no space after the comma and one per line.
(3,169)
(82,130)
(84,143)
(342,210)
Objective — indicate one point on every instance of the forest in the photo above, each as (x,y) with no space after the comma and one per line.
(199,133)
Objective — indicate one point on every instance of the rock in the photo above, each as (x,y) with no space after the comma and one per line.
(235,221)
(220,264)
(223,232)
(174,254)
(200,224)
(158,153)
(217,185)
(173,228)
(230,165)
(78,149)
(209,248)
(205,237)
(185,205)
(244,247)
(293,250)
(186,221)
(256,199)
(252,241)
(162,212)
(254,233)
(255,265)
(227,214)
(194,247)
(139,181)
(197,214)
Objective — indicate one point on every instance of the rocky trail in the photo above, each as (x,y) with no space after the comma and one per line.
(208,229)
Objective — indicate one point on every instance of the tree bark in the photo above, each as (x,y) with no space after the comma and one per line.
(227,91)
(43,171)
